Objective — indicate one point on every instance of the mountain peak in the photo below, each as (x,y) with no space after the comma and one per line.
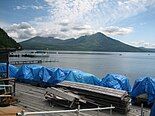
(99,33)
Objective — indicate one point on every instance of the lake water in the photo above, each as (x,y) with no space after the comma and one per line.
(133,65)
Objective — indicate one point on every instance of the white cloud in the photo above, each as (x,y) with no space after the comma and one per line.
(35,7)
(64,29)
(84,27)
(21,31)
(64,22)
(96,12)
(18,7)
(13,34)
(68,18)
(71,11)
(83,30)
(117,30)
(142,43)
(73,18)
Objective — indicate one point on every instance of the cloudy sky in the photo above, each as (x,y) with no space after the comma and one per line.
(130,21)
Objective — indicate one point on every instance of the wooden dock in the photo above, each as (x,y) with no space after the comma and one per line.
(31,62)
(31,98)
(26,62)
(30,55)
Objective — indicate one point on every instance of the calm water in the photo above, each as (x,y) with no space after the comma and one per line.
(133,65)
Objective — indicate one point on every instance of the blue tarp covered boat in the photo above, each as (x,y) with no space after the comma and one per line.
(82,77)
(145,85)
(29,73)
(40,75)
(12,69)
(51,76)
(116,81)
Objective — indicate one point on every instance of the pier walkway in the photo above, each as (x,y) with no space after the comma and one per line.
(26,62)
(31,98)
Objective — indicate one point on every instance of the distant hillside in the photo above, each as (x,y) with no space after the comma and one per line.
(6,41)
(151,49)
(148,49)
(94,42)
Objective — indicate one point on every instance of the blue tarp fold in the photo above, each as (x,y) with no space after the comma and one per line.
(12,69)
(116,81)
(142,86)
(51,75)
(29,73)
(82,77)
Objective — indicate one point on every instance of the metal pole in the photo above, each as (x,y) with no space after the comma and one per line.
(77,111)
(6,86)
(98,111)
(111,110)
(142,113)
(94,109)
(45,112)
(7,69)
(14,87)
(21,113)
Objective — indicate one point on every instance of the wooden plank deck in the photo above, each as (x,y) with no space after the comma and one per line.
(31,98)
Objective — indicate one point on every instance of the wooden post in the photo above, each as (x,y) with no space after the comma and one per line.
(14,87)
(78,110)
(111,111)
(98,111)
(142,113)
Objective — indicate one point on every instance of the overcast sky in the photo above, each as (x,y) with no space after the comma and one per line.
(130,21)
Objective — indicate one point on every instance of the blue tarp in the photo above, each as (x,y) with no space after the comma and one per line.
(142,86)
(152,113)
(29,73)
(12,69)
(116,81)
(52,75)
(82,77)
(40,75)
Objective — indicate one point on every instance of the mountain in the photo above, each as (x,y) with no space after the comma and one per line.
(94,42)
(6,41)
(151,49)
